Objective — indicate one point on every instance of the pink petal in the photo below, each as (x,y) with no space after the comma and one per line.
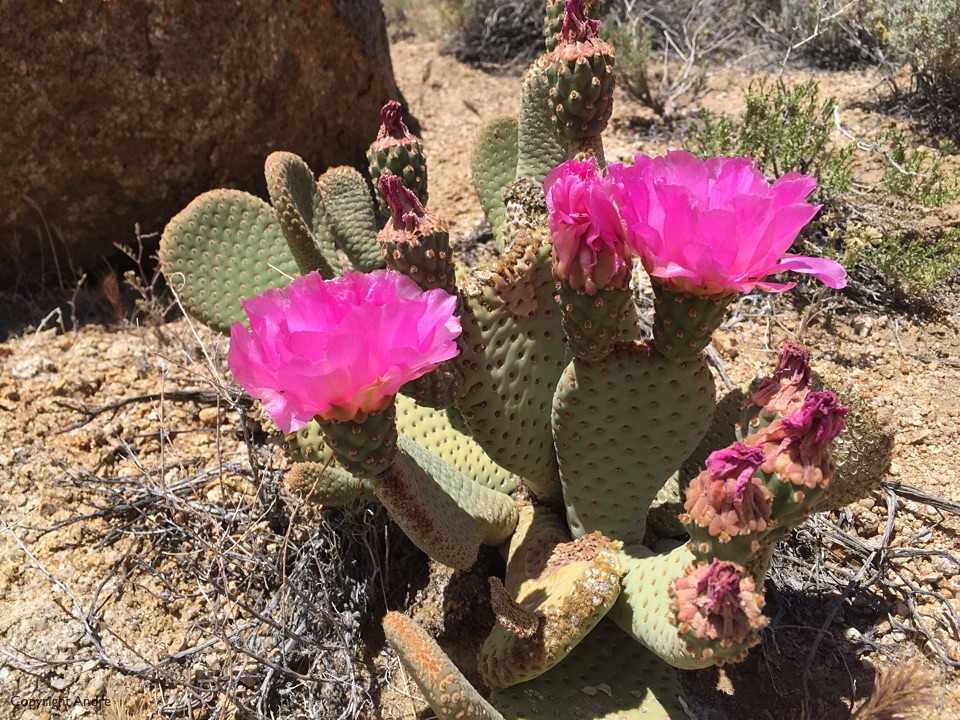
(829,272)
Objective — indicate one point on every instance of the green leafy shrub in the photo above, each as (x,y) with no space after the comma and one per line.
(791,129)
(924,33)
(918,174)
(783,130)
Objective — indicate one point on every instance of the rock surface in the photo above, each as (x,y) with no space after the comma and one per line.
(122,112)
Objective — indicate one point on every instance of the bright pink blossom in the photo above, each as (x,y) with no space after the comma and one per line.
(589,240)
(340,348)
(717,227)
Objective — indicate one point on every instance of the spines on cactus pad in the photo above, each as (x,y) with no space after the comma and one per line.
(443,512)
(326,484)
(563,587)
(526,207)
(861,452)
(608,676)
(441,432)
(513,354)
(353,223)
(296,199)
(539,147)
(449,693)
(228,246)
(622,426)
(493,165)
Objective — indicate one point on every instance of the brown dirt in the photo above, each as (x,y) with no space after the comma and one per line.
(52,469)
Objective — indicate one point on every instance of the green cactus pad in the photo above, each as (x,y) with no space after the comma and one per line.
(364,447)
(326,484)
(443,512)
(296,198)
(643,608)
(684,323)
(593,323)
(512,358)
(539,147)
(564,587)
(622,426)
(607,677)
(721,433)
(441,432)
(407,162)
(353,223)
(437,389)
(493,165)
(581,91)
(449,693)
(228,246)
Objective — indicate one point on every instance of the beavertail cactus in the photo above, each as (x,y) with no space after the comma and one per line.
(397,152)
(438,396)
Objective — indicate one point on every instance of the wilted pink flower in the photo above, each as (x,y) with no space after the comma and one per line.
(577,27)
(786,389)
(590,247)
(716,227)
(726,498)
(719,602)
(797,447)
(340,348)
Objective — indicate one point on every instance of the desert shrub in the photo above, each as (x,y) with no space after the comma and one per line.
(917,174)
(920,260)
(833,34)
(679,54)
(924,33)
(497,31)
(783,129)
(427,19)
(877,225)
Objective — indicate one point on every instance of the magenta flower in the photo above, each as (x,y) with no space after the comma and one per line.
(716,227)
(797,446)
(719,602)
(340,348)
(589,240)
(726,498)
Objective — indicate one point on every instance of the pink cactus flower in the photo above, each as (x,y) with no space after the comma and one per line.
(716,227)
(785,390)
(406,212)
(726,498)
(590,248)
(719,602)
(797,447)
(577,27)
(340,349)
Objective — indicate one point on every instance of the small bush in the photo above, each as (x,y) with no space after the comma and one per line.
(783,130)
(917,174)
(924,33)
(663,48)
(792,129)
(830,34)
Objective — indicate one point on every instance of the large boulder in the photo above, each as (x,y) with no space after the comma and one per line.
(116,113)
